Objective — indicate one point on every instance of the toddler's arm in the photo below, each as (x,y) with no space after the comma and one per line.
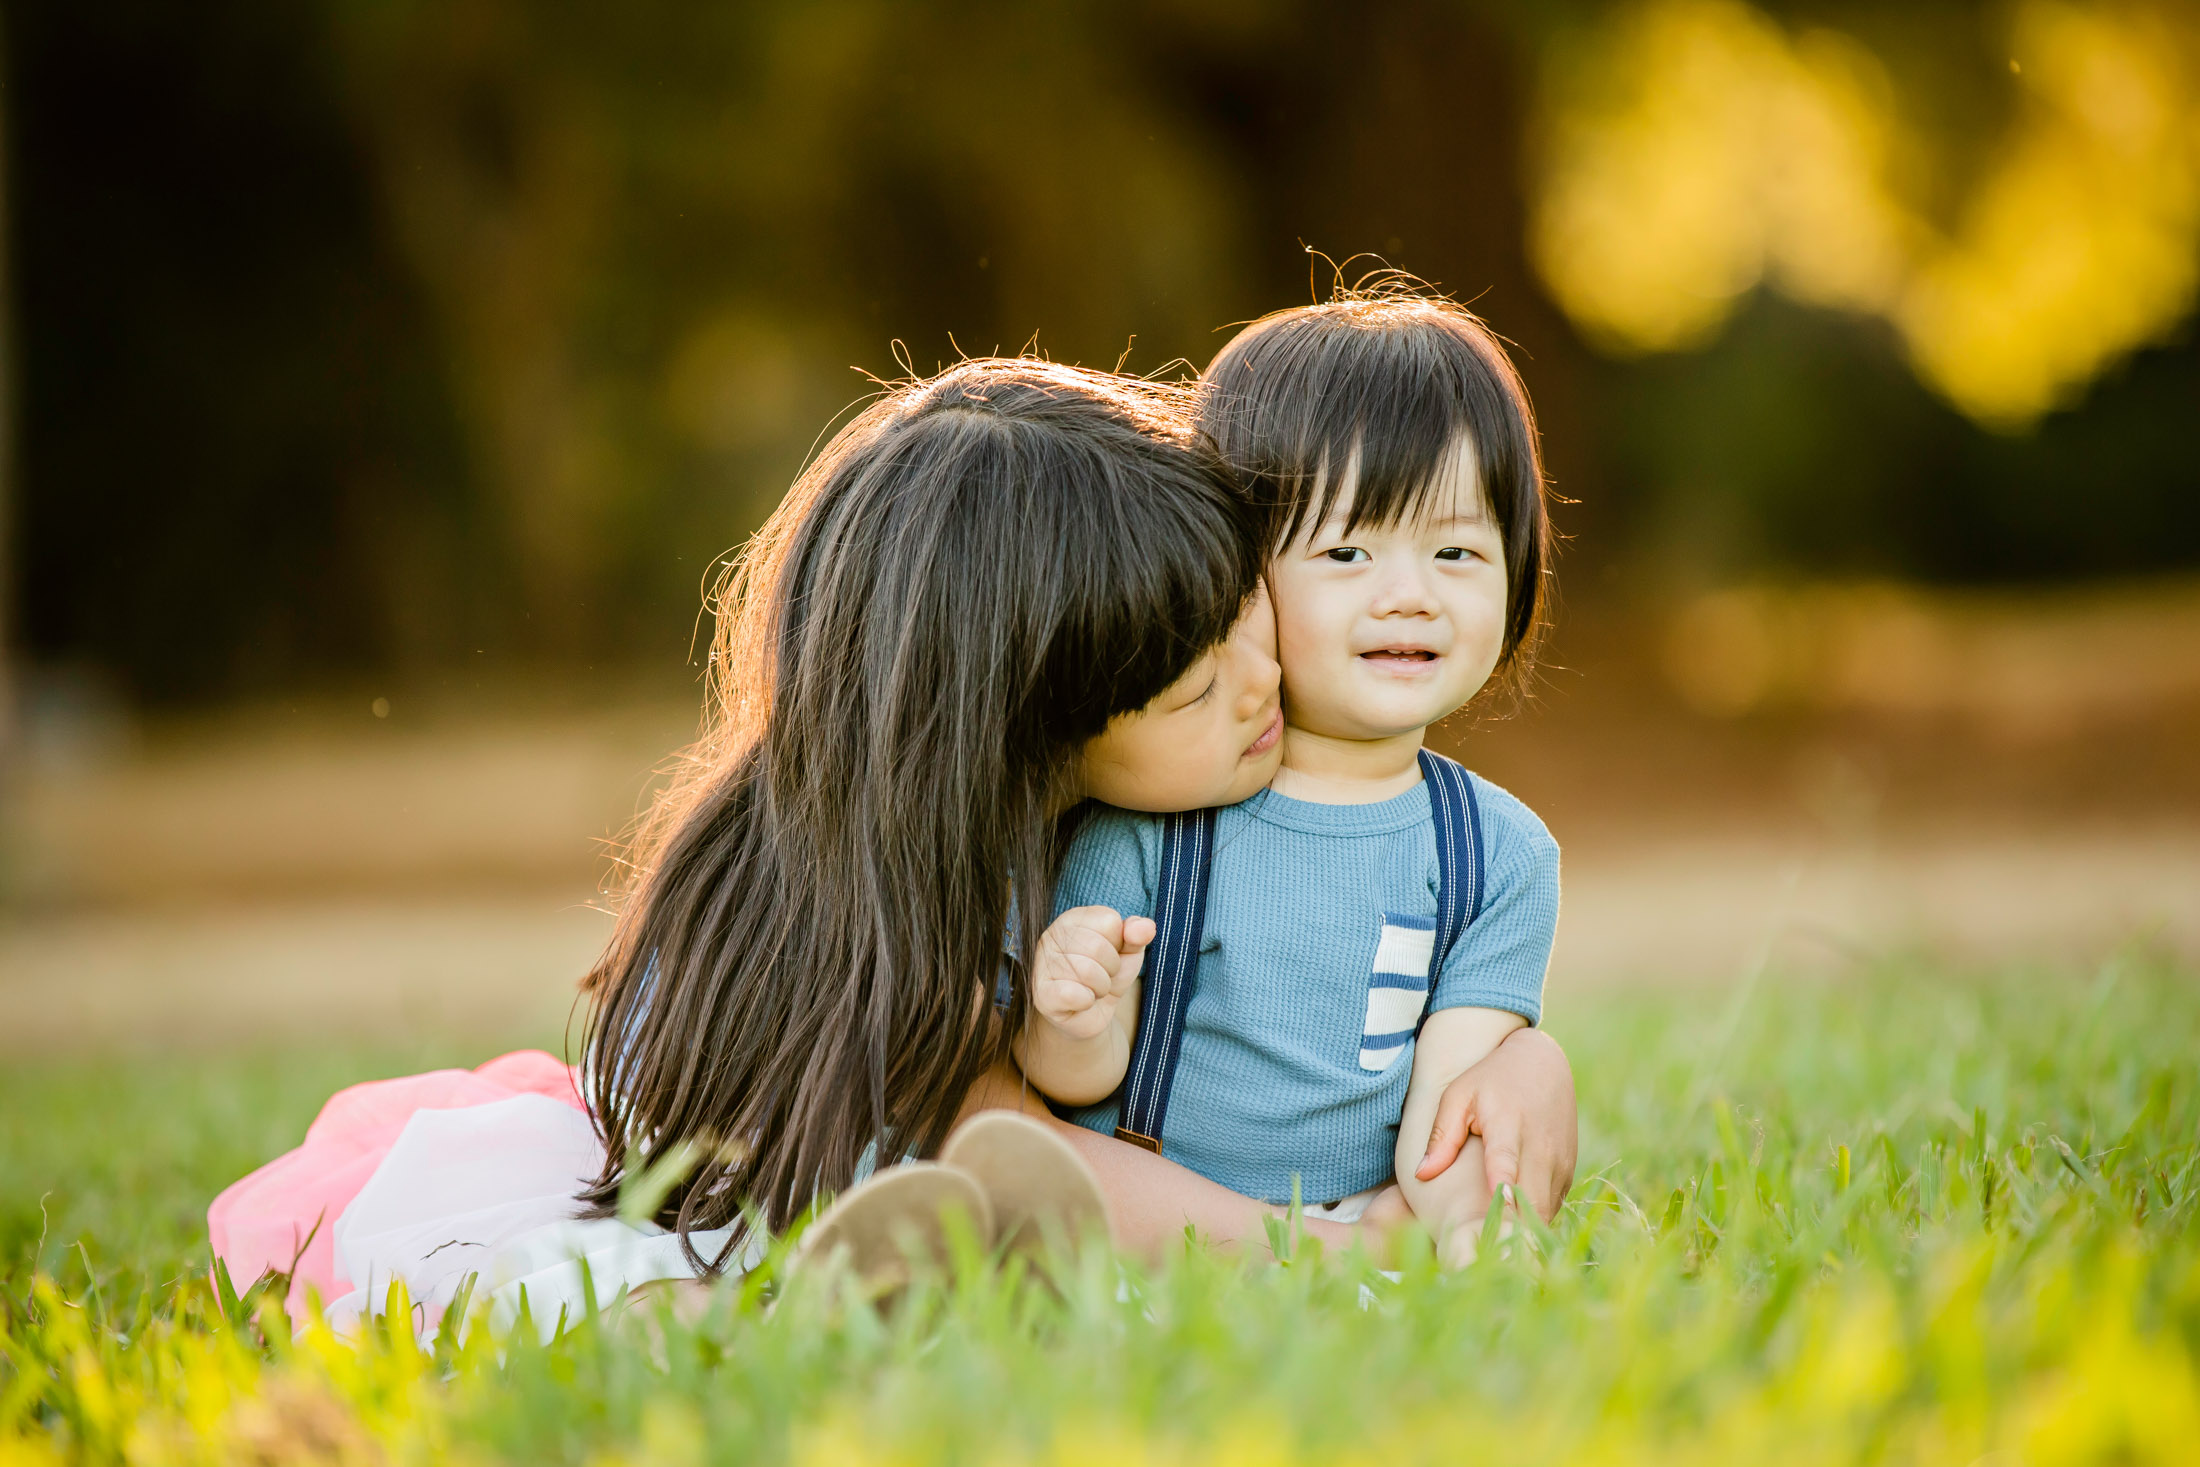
(1451,1201)
(1076,1043)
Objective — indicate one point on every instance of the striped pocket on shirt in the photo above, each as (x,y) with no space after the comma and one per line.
(1397,989)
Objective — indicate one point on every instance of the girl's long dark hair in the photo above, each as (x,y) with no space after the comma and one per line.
(969,581)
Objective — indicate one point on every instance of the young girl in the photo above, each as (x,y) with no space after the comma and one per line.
(961,593)
(1356,937)
(984,599)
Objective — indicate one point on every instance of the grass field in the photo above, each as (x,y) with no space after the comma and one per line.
(1911,1216)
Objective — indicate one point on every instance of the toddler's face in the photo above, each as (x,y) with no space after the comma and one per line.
(1386,631)
(1213,738)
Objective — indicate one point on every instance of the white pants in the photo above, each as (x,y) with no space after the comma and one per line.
(488,1190)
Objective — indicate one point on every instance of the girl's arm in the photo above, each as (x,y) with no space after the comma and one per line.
(1448,1199)
(1520,1099)
(1520,1103)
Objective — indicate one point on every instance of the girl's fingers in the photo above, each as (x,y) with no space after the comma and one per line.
(1454,1122)
(1501,1151)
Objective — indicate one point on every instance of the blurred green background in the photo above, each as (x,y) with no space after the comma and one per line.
(371,337)
(387,379)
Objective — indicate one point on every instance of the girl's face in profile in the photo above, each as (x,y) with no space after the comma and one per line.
(1213,737)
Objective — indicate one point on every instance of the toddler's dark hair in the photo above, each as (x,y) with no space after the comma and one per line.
(1396,378)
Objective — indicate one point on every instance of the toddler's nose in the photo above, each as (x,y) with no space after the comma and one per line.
(1404,592)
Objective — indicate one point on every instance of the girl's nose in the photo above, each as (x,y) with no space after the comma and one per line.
(1263,676)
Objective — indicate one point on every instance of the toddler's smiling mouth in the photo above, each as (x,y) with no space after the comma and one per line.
(1400,657)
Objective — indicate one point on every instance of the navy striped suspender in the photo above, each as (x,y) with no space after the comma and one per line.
(1458,857)
(1172,963)
(1180,912)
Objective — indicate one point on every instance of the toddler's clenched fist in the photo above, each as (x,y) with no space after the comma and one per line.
(1084,1002)
(1089,959)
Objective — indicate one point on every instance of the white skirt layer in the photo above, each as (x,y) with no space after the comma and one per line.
(487,1191)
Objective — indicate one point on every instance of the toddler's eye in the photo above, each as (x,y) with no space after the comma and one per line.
(1346,554)
(1453,552)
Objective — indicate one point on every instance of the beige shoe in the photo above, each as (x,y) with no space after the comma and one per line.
(1038,1186)
(893,1224)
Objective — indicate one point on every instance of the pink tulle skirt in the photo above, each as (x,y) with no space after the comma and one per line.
(284,1215)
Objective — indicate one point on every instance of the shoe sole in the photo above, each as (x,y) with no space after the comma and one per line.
(893,1224)
(1039,1188)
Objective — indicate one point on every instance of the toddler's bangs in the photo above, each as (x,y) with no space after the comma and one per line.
(1399,383)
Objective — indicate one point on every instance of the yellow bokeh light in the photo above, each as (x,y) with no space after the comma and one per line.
(1640,226)
(1690,149)
(2082,245)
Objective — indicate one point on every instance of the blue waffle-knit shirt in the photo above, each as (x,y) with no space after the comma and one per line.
(1307,907)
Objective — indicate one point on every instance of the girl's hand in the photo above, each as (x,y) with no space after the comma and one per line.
(1520,1101)
(1089,957)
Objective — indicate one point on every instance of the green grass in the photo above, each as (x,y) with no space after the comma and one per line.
(1907,1216)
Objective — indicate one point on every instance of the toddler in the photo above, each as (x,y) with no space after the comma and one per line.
(1334,950)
